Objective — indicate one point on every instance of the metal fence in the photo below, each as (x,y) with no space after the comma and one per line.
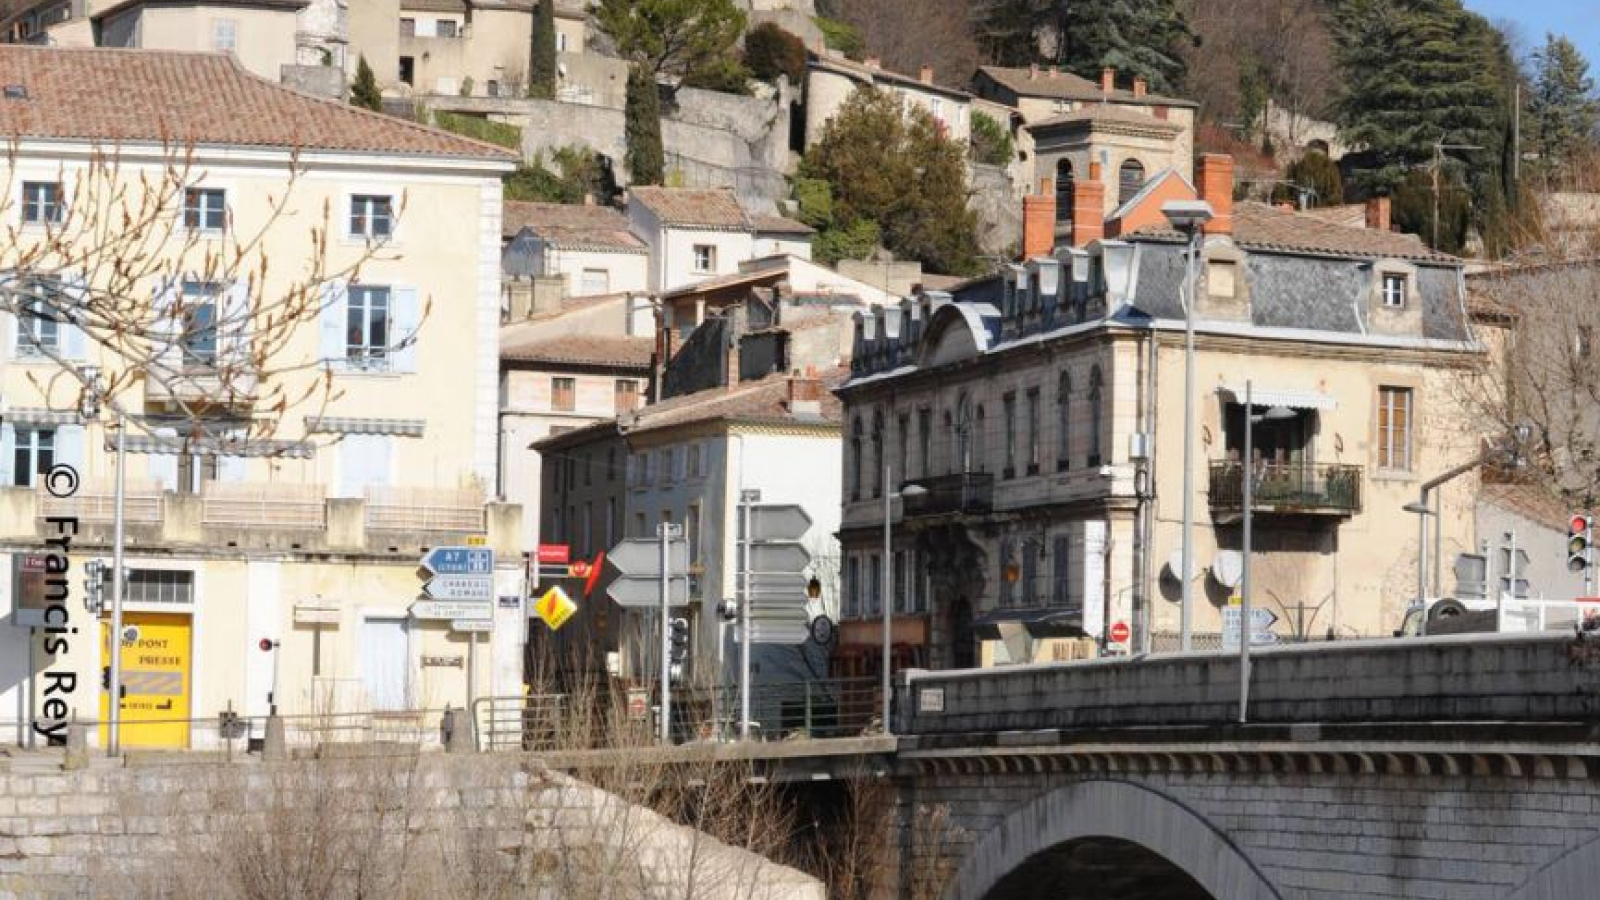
(234,732)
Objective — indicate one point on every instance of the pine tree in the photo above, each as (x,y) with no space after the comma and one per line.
(1562,110)
(642,117)
(671,37)
(1140,38)
(542,52)
(364,90)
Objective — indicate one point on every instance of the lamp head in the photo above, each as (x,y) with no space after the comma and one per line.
(1188,215)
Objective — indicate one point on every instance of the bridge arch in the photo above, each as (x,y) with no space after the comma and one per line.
(1121,812)
(1568,877)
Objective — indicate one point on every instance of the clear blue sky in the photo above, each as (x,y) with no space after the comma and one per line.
(1579,20)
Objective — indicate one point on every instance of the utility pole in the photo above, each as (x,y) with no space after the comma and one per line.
(746,500)
(666,531)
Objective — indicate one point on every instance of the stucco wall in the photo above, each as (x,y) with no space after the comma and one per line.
(264,38)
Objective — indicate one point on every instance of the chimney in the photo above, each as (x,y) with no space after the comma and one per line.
(588,198)
(873,62)
(1054,72)
(1039,220)
(1108,80)
(1140,87)
(926,75)
(1378,214)
(805,394)
(1088,208)
(1216,188)
(1033,71)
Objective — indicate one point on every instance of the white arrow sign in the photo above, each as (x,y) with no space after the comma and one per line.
(774,522)
(450,609)
(645,593)
(472,626)
(459,587)
(642,556)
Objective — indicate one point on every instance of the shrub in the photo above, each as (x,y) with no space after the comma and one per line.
(770,51)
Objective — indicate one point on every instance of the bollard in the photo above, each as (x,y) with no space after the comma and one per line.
(77,747)
(456,729)
(274,746)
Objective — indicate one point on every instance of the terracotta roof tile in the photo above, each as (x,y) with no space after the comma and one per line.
(1107,115)
(114,8)
(1350,215)
(1261,227)
(572,226)
(115,95)
(715,208)
(780,225)
(592,350)
(1067,86)
(851,68)
(765,400)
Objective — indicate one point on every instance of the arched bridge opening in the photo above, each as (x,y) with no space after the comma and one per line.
(1098,868)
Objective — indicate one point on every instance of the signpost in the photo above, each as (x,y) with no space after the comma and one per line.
(460,588)
(772,565)
(1120,633)
(654,573)
(1261,622)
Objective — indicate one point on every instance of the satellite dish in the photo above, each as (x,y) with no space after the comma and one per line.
(1228,568)
(1175,565)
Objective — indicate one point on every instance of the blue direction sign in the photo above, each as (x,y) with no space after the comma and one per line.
(459,561)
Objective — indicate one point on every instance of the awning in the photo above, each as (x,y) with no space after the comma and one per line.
(338,425)
(1268,396)
(1059,621)
(42,417)
(172,446)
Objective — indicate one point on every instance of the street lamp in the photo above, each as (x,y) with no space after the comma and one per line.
(89,406)
(1189,217)
(1274,414)
(910,490)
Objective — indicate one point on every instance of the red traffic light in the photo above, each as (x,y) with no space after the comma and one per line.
(1579,524)
(266,645)
(578,569)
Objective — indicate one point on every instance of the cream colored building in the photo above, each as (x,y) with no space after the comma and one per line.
(1040,412)
(830,80)
(587,247)
(248,522)
(261,33)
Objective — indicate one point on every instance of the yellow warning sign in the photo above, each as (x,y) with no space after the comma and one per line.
(555,608)
(155,679)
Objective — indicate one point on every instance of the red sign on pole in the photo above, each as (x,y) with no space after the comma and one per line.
(1120,633)
(555,554)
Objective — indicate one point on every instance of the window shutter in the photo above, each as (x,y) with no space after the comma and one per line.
(8,455)
(403,327)
(334,303)
(166,330)
(363,462)
(163,467)
(232,468)
(74,342)
(233,321)
(69,446)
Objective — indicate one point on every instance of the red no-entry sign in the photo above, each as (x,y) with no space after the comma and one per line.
(1120,633)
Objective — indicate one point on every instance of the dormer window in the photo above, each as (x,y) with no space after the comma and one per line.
(1394,290)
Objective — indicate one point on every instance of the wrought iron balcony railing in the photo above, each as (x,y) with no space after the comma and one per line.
(1292,488)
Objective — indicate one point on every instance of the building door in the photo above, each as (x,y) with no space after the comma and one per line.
(963,643)
(156,679)
(385,663)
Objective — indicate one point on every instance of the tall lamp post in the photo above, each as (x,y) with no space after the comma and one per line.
(1189,217)
(1274,414)
(89,406)
(910,490)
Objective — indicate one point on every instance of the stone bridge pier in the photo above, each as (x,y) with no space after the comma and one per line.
(1441,769)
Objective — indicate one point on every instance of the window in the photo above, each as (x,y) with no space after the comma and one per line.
(204,209)
(588,470)
(1011,435)
(855,459)
(585,539)
(1033,431)
(445,28)
(224,35)
(1130,180)
(697,464)
(875,589)
(1008,572)
(194,470)
(980,441)
(878,459)
(1394,291)
(852,588)
(705,258)
(904,457)
(1094,417)
(1030,573)
(371,216)
(919,595)
(1394,428)
(1061,554)
(408,27)
(199,321)
(563,394)
(691,533)
(41,202)
(367,328)
(492,88)
(34,455)
(640,529)
(594,282)
(561,42)
(925,441)
(611,522)
(901,583)
(626,396)
(1063,422)
(961,449)
(408,70)
(1064,192)
(165,587)
(39,328)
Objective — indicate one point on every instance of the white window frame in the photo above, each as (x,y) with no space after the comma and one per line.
(198,295)
(50,212)
(225,28)
(33,321)
(1390,450)
(198,216)
(34,448)
(365,355)
(709,266)
(1393,289)
(368,203)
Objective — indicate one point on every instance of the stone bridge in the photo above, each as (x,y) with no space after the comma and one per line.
(1463,768)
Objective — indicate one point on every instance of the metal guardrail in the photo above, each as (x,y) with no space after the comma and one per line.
(418,727)
(963,492)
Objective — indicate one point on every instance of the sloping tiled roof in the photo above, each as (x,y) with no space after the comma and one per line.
(115,95)
(713,208)
(1261,227)
(1350,215)
(780,225)
(571,226)
(1100,114)
(113,9)
(852,69)
(591,350)
(766,400)
(444,6)
(1067,86)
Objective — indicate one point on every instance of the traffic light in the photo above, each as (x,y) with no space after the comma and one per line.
(1579,536)
(94,581)
(680,640)
(729,610)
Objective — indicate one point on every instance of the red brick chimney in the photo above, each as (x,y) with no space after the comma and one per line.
(1216,188)
(804,389)
(1039,220)
(1140,87)
(1108,80)
(1378,214)
(1088,208)
(926,75)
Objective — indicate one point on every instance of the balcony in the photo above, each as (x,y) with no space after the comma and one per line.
(425,509)
(1301,489)
(95,503)
(964,492)
(278,506)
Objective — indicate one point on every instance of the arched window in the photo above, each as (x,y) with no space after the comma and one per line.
(855,459)
(980,436)
(1131,179)
(1063,422)
(1064,191)
(963,434)
(1095,415)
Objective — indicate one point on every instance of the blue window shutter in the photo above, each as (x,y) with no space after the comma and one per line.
(363,461)
(164,466)
(69,446)
(334,297)
(8,455)
(74,342)
(404,328)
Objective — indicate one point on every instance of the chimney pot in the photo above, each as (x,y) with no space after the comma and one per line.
(1033,71)
(1378,211)
(1216,188)
(1140,87)
(1108,80)
(926,75)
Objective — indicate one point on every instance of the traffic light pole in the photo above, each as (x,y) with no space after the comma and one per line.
(114,702)
(745,500)
(664,531)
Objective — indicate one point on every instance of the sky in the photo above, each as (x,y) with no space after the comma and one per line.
(1579,20)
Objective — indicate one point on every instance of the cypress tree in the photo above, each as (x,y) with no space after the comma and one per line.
(642,118)
(542,52)
(364,90)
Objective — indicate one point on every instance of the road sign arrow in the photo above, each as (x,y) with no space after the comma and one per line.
(459,561)
(778,558)
(779,522)
(645,593)
(642,557)
(772,633)
(459,587)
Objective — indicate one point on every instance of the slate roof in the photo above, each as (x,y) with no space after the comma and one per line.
(208,99)
(113,9)
(1067,86)
(589,350)
(571,226)
(1257,226)
(694,207)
